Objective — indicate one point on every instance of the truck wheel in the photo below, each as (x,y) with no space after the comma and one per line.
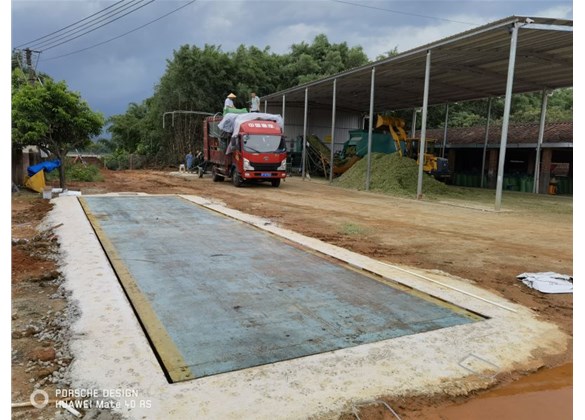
(237,179)
(275,182)
(216,176)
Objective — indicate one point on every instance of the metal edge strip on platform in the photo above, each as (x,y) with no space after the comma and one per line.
(163,345)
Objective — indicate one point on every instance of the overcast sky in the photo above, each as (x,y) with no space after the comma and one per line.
(125,70)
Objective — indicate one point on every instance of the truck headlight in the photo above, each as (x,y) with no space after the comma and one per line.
(282,166)
(247,166)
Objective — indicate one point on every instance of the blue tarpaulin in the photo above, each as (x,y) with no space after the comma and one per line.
(47,166)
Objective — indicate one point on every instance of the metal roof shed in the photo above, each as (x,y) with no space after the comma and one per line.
(512,55)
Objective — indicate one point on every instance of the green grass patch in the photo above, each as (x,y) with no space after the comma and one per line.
(511,200)
(77,172)
(352,229)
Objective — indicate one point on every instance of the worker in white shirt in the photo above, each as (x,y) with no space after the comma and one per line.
(254,102)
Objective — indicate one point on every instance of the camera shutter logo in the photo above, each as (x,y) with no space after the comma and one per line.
(34,402)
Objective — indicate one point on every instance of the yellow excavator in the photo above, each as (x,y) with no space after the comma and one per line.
(432,164)
(396,128)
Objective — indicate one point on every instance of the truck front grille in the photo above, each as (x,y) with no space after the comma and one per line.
(265,167)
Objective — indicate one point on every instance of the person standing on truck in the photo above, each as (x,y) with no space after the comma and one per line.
(229,101)
(254,102)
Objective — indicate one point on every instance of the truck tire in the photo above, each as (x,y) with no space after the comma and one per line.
(216,176)
(237,179)
(275,182)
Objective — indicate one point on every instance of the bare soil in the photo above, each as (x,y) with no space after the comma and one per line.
(39,305)
(465,238)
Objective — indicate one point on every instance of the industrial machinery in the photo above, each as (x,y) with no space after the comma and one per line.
(432,164)
(319,155)
(389,137)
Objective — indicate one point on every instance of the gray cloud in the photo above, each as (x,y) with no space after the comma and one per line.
(111,76)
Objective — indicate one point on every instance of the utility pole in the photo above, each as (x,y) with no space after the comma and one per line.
(28,57)
(31,72)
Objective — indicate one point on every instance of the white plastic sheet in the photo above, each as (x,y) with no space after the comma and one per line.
(231,122)
(547,282)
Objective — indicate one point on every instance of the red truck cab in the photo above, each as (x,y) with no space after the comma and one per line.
(257,152)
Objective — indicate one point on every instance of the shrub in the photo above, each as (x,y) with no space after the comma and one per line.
(77,172)
(121,160)
(111,162)
(83,173)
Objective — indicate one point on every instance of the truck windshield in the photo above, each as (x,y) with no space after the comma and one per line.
(259,143)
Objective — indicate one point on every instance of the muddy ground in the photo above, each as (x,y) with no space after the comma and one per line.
(463,238)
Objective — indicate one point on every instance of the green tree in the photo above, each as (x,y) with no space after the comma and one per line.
(100,146)
(199,78)
(391,53)
(53,118)
(126,129)
(527,107)
(308,62)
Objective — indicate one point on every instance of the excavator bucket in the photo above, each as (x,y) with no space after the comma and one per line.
(381,121)
(399,124)
(385,121)
(340,169)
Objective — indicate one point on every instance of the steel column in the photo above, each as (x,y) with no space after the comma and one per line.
(485,142)
(265,106)
(413,126)
(506,119)
(536,188)
(370,127)
(304,154)
(445,130)
(423,132)
(333,129)
(283,110)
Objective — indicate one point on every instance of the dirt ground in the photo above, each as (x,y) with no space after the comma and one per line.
(39,306)
(465,239)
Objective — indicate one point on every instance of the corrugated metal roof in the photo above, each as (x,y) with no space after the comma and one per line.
(470,65)
(526,133)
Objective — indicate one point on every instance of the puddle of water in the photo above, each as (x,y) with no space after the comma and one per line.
(547,394)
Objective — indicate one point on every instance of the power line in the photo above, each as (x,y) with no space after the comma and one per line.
(124,34)
(107,23)
(68,26)
(58,37)
(403,13)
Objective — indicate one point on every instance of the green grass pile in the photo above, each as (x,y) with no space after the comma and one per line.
(390,174)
